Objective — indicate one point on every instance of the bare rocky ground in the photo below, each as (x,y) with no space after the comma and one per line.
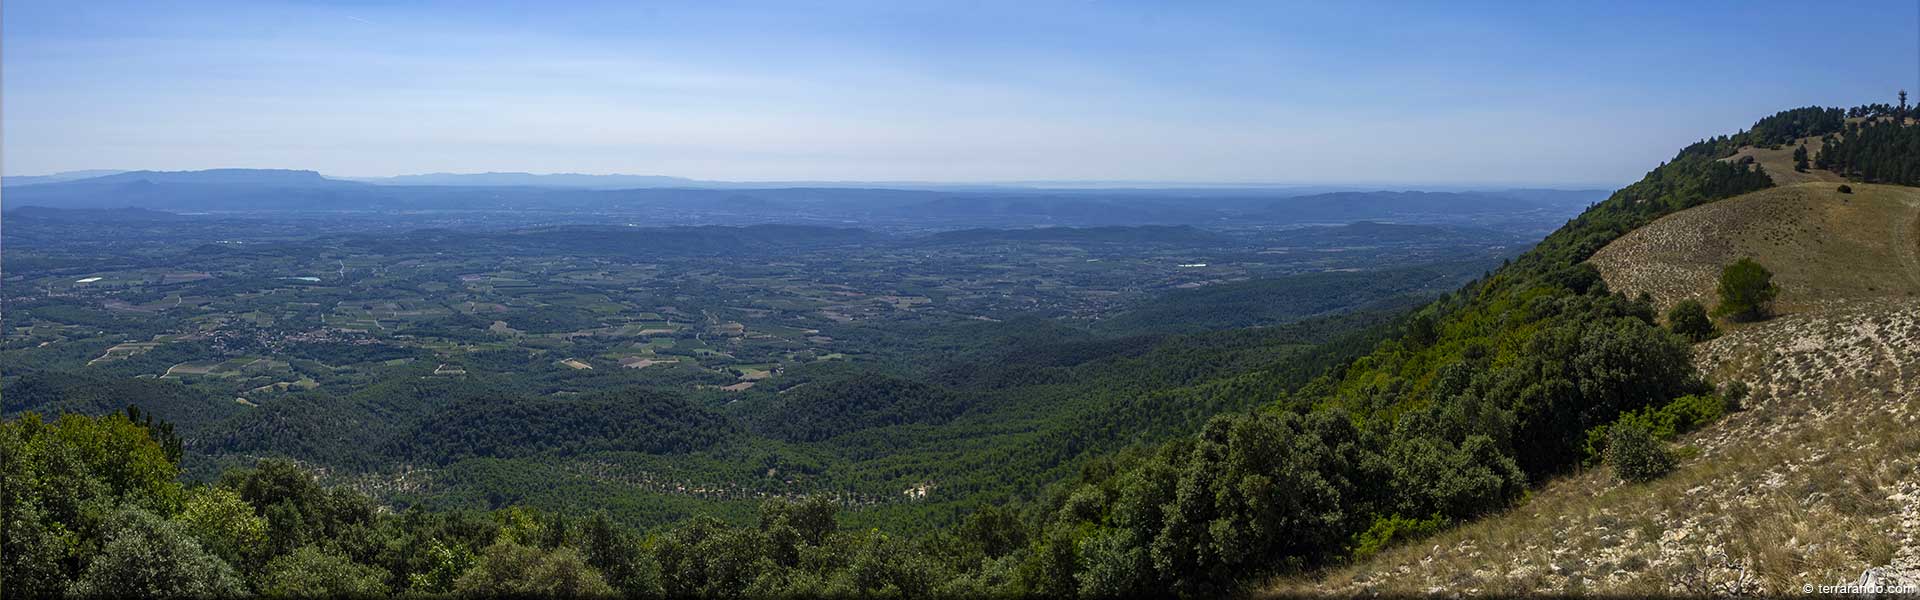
(1817,480)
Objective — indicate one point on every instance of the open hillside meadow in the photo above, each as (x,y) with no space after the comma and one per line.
(1822,246)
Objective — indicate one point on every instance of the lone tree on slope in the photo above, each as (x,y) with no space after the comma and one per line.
(1688,319)
(1746,291)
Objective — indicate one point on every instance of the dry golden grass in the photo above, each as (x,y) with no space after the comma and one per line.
(1820,244)
(1779,163)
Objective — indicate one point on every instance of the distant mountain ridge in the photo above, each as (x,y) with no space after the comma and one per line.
(13,180)
(281,177)
(521,179)
(661,200)
(275,177)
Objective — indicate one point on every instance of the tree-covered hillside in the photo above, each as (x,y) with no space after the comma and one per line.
(1492,388)
(1874,150)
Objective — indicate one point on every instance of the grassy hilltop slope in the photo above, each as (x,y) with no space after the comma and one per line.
(1821,245)
(1816,482)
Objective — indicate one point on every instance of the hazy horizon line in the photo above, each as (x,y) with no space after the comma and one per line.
(1019,183)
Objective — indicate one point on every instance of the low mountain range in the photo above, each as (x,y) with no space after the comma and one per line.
(670,201)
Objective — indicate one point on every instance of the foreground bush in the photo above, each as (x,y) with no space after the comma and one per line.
(1635,454)
(1746,291)
(313,573)
(148,556)
(1688,319)
(507,568)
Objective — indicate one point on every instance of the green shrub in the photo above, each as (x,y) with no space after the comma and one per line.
(1685,414)
(1735,395)
(706,557)
(1387,530)
(224,524)
(1635,453)
(1846,189)
(1116,566)
(506,569)
(149,556)
(1746,291)
(1688,319)
(314,573)
(443,567)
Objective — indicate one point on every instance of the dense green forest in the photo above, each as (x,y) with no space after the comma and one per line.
(1875,151)
(503,427)
(1191,463)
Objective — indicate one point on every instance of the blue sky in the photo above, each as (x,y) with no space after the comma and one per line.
(1560,93)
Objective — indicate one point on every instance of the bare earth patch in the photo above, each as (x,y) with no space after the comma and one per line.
(635,362)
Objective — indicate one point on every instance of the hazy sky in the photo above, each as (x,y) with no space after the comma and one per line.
(1310,92)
